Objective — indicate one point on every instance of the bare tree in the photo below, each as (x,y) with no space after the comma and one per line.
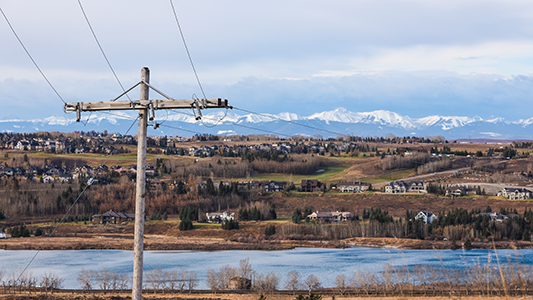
(182,278)
(293,282)
(2,274)
(104,280)
(119,281)
(245,268)
(312,282)
(192,281)
(50,281)
(173,280)
(226,274)
(213,280)
(340,283)
(266,282)
(155,279)
(86,279)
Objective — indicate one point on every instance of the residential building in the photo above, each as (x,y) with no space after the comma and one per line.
(515,193)
(311,185)
(112,217)
(331,216)
(353,187)
(220,217)
(402,187)
(273,186)
(426,216)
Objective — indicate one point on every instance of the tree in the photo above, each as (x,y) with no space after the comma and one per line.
(86,279)
(268,282)
(185,225)
(50,281)
(293,282)
(245,268)
(213,280)
(340,283)
(104,280)
(270,230)
(312,282)
(192,281)
(297,216)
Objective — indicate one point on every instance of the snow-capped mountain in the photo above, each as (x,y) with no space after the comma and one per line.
(328,123)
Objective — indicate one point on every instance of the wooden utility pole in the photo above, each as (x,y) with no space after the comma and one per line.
(145,107)
(140,193)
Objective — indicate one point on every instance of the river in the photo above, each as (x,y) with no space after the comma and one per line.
(324,263)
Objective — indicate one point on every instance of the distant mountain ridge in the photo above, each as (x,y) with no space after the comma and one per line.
(339,121)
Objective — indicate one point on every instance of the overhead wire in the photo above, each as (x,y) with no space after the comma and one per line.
(30,56)
(183,129)
(236,124)
(89,183)
(192,64)
(102,49)
(286,121)
(187,48)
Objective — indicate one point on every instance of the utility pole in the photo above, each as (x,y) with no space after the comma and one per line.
(146,110)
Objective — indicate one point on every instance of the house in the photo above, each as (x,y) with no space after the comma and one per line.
(220,217)
(3,235)
(273,186)
(515,193)
(459,191)
(426,216)
(396,187)
(65,178)
(494,216)
(353,187)
(112,217)
(335,216)
(240,283)
(400,186)
(47,179)
(311,185)
(416,187)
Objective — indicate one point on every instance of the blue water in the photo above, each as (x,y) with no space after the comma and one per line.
(324,263)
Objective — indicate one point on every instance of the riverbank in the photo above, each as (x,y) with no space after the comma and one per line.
(161,242)
(68,295)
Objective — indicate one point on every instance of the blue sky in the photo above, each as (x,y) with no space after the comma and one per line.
(416,58)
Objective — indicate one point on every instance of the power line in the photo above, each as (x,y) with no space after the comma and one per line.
(187,48)
(239,125)
(290,122)
(89,182)
(29,55)
(102,49)
(183,129)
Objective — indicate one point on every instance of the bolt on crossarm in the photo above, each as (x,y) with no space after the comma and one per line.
(146,110)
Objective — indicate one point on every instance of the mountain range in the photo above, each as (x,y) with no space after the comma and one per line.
(326,124)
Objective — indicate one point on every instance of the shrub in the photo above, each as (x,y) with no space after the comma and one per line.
(270,230)
(38,231)
(185,225)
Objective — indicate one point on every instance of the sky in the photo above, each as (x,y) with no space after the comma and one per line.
(416,58)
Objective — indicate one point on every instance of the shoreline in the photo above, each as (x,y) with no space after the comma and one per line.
(151,243)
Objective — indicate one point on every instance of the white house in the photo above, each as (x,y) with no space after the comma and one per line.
(353,187)
(426,216)
(515,193)
(3,235)
(48,179)
(218,217)
(402,187)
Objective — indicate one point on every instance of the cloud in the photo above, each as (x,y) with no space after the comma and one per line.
(414,57)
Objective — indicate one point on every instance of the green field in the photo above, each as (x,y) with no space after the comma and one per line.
(322,176)
(389,177)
